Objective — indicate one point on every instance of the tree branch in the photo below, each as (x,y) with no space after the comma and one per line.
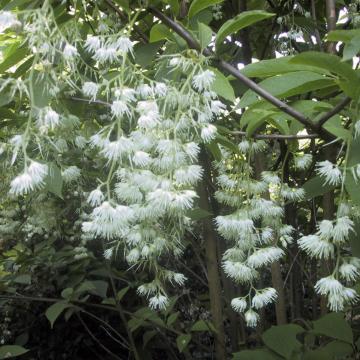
(341,105)
(277,136)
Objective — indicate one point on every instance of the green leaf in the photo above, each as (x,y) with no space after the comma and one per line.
(15,54)
(9,351)
(335,326)
(335,127)
(182,341)
(41,96)
(23,279)
(272,67)
(172,318)
(54,180)
(215,150)
(354,238)
(256,355)
(315,187)
(332,350)
(239,22)
(288,84)
(198,5)
(121,293)
(326,62)
(282,339)
(55,310)
(145,53)
(352,48)
(148,335)
(160,32)
(221,86)
(101,288)
(342,35)
(205,35)
(352,187)
(202,325)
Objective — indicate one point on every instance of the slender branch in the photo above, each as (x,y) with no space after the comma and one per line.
(341,105)
(277,136)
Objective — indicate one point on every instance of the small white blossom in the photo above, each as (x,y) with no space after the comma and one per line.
(325,229)
(90,89)
(22,184)
(239,271)
(95,198)
(348,271)
(49,119)
(239,304)
(330,172)
(71,173)
(141,158)
(147,289)
(70,52)
(216,106)
(160,89)
(342,228)
(133,256)
(158,302)
(316,246)
(244,146)
(80,142)
(263,298)
(8,20)
(208,133)
(92,43)
(189,175)
(251,318)
(302,162)
(106,54)
(119,108)
(270,177)
(115,150)
(264,256)
(124,44)
(203,80)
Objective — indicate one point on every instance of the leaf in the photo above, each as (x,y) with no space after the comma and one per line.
(288,84)
(282,339)
(202,325)
(352,48)
(332,350)
(326,62)
(335,326)
(54,180)
(121,293)
(239,22)
(182,341)
(9,351)
(205,35)
(221,86)
(148,335)
(262,354)
(15,54)
(272,67)
(315,187)
(41,96)
(55,310)
(352,187)
(215,150)
(354,239)
(23,279)
(160,32)
(198,5)
(335,127)
(101,288)
(172,318)
(145,53)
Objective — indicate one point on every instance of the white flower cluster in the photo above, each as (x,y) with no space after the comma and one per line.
(326,244)
(253,228)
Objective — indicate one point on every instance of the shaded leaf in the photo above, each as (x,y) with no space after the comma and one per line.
(10,351)
(198,5)
(55,310)
(182,341)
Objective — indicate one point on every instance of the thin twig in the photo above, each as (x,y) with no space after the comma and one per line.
(341,105)
(277,136)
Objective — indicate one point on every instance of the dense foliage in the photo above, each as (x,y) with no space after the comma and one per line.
(179,179)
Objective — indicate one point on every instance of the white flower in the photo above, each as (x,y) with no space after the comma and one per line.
(270,177)
(264,256)
(141,158)
(133,256)
(267,235)
(336,302)
(251,318)
(325,229)
(189,175)
(90,89)
(192,150)
(328,285)
(71,173)
(239,304)
(158,302)
(148,121)
(144,107)
(183,200)
(179,279)
(264,297)
(95,198)
(216,106)
(208,133)
(160,89)
(342,229)
(106,54)
(203,80)
(22,184)
(239,271)
(92,43)
(69,52)
(230,226)
(292,194)
(108,253)
(80,142)
(244,146)
(147,289)
(349,272)
(124,44)
(115,150)
(37,172)
(120,108)
(128,193)
(51,119)
(8,20)
(330,172)
(145,90)
(316,246)
(302,162)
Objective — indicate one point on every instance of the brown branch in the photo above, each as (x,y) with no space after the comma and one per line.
(341,105)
